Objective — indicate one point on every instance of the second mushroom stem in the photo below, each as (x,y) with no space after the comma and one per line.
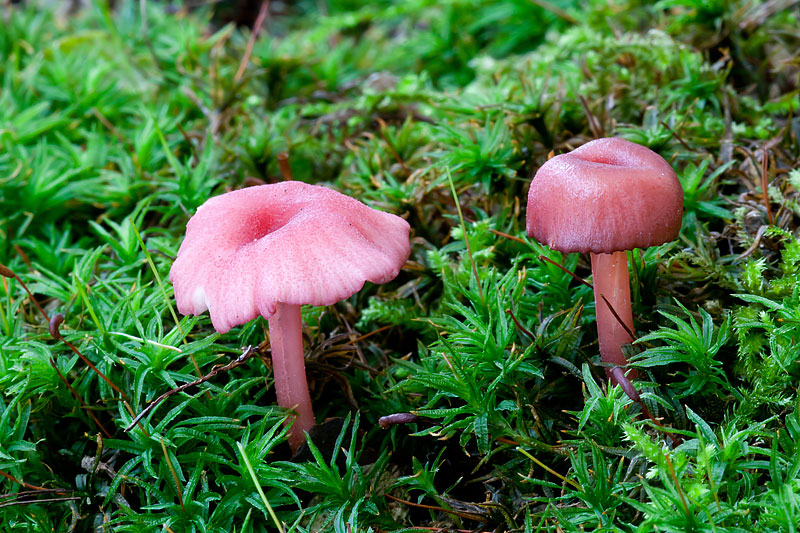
(288,363)
(610,279)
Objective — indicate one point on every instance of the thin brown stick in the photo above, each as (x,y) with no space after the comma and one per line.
(174,473)
(520,327)
(442,529)
(20,251)
(583,281)
(139,424)
(247,353)
(8,273)
(385,137)
(370,334)
(283,164)
(50,500)
(616,316)
(79,398)
(25,493)
(53,326)
(188,140)
(677,137)
(562,267)
(555,10)
(765,185)
(107,123)
(470,516)
(677,484)
(262,14)
(578,278)
(18,482)
(594,124)
(676,440)
(507,236)
(466,235)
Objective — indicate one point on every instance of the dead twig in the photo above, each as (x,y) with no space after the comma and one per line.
(756,242)
(53,326)
(578,278)
(262,14)
(594,122)
(677,137)
(18,482)
(247,353)
(765,184)
(507,236)
(47,500)
(382,131)
(555,10)
(520,327)
(467,515)
(565,269)
(618,319)
(26,493)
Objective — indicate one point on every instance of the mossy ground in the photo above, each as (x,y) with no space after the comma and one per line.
(115,124)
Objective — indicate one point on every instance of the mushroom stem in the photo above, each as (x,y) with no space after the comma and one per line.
(611,280)
(286,339)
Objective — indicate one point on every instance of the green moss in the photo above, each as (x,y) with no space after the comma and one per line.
(115,127)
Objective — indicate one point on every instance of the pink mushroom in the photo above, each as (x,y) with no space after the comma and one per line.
(606,197)
(267,250)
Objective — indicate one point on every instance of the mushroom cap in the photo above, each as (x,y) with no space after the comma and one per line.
(287,242)
(608,195)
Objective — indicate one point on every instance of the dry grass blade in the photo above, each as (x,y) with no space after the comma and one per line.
(178,488)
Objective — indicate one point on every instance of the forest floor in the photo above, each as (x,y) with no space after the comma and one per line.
(116,124)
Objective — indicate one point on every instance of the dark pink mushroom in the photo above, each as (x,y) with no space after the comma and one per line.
(267,250)
(606,197)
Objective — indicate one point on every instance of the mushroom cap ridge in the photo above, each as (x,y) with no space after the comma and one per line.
(287,242)
(608,195)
